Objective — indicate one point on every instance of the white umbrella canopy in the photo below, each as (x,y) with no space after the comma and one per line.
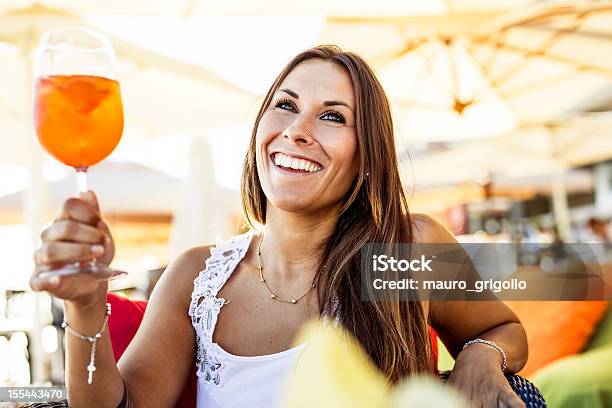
(530,151)
(347,8)
(266,8)
(474,162)
(139,7)
(161,95)
(481,74)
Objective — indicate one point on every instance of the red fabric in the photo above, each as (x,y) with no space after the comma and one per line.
(434,348)
(123,323)
(126,317)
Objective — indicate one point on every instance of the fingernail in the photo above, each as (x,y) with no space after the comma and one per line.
(54,280)
(97,249)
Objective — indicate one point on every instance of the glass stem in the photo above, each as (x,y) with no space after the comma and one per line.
(81,175)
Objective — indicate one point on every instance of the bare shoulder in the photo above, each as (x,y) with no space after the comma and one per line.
(427,229)
(177,280)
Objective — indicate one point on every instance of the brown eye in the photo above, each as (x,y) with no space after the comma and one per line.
(285,104)
(333,116)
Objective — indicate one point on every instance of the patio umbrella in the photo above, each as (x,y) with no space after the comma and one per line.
(347,8)
(133,7)
(463,76)
(528,151)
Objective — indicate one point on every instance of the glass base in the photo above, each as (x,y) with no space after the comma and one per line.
(96,269)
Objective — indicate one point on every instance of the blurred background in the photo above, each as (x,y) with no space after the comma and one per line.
(502,111)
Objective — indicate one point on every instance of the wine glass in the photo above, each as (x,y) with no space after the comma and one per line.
(78,112)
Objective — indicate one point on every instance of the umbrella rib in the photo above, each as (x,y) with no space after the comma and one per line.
(410,45)
(411,94)
(144,56)
(530,86)
(551,41)
(492,84)
(583,33)
(454,73)
(492,57)
(434,74)
(558,58)
(548,13)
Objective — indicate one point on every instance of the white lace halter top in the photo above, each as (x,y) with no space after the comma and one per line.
(227,380)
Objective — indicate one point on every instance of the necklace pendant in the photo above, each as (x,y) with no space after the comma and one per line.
(273,296)
(293,301)
(91,368)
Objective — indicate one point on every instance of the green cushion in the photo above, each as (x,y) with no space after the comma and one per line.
(582,380)
(603,333)
(446,362)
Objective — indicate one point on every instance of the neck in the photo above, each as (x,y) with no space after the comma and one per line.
(291,244)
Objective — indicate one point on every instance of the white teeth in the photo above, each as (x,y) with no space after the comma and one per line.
(297,164)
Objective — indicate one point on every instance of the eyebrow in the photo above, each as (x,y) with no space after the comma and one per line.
(326,103)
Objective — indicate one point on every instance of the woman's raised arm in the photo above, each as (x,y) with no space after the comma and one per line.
(157,362)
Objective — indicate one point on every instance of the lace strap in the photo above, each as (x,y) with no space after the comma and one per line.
(205,306)
(225,256)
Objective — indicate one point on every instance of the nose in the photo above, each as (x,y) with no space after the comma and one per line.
(299,132)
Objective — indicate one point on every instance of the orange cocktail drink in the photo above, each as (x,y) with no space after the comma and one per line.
(78,118)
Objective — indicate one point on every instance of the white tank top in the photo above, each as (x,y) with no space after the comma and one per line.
(224,379)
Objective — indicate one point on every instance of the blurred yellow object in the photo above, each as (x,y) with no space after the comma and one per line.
(334,371)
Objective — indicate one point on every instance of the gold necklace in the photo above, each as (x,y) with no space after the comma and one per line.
(263,281)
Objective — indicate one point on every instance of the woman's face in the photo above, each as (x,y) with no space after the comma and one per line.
(306,142)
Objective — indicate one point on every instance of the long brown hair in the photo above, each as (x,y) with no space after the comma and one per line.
(394,334)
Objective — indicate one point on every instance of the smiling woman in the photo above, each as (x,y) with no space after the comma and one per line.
(315,129)
(320,181)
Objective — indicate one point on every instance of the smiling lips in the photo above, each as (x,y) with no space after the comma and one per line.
(295,163)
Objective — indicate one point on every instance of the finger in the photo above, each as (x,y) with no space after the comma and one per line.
(72,231)
(102,226)
(90,198)
(108,243)
(79,210)
(48,283)
(509,399)
(65,252)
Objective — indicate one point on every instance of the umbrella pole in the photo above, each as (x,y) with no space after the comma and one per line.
(198,218)
(560,205)
(34,207)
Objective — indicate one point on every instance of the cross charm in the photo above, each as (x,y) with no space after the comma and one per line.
(91,368)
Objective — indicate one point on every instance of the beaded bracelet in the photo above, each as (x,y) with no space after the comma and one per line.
(492,344)
(92,339)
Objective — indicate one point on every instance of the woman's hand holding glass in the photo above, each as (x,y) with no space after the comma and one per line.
(77,235)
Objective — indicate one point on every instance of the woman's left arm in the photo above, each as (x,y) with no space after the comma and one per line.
(458,322)
(477,368)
